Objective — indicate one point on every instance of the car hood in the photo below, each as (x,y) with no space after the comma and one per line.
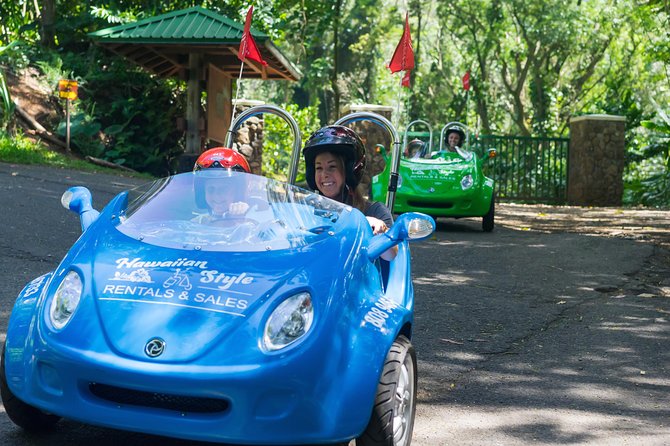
(194,300)
(421,176)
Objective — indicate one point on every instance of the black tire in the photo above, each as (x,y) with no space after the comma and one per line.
(489,219)
(392,419)
(23,415)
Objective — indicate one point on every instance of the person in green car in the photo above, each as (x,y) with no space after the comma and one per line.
(455,138)
(415,149)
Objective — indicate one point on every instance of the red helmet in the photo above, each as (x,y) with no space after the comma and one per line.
(223,158)
(339,140)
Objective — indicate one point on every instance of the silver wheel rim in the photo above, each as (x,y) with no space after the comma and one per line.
(403,402)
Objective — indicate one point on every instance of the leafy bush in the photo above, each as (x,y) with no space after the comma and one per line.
(278,143)
(647,180)
(124,115)
(85,135)
(6,103)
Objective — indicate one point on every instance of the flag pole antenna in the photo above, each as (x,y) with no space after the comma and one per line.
(248,50)
(403,60)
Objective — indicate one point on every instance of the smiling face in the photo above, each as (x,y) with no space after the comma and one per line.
(329,174)
(454,139)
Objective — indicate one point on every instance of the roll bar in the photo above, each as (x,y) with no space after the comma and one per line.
(430,132)
(395,157)
(272,109)
(462,126)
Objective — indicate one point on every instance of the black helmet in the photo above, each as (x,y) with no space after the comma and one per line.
(341,141)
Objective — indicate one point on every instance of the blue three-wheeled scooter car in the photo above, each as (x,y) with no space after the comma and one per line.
(272,328)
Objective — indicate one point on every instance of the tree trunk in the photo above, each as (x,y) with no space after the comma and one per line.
(48,38)
(414,98)
(333,79)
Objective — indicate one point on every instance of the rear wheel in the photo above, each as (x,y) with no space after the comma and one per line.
(488,220)
(23,415)
(392,419)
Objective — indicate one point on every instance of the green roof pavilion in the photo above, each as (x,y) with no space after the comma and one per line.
(196,44)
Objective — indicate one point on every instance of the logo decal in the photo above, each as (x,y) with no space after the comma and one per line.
(138,275)
(155,347)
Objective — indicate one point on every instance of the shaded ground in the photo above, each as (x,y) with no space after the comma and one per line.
(643,225)
(551,330)
(632,223)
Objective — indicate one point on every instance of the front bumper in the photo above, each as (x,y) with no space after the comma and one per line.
(303,397)
(471,203)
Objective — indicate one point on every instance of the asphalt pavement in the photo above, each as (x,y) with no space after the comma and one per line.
(522,337)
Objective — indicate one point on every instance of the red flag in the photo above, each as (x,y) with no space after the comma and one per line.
(466,81)
(248,48)
(403,56)
(405,79)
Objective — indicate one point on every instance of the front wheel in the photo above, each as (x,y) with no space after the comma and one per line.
(488,220)
(392,419)
(23,415)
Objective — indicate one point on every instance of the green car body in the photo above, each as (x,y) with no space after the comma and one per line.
(447,184)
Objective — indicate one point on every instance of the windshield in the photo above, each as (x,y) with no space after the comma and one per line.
(217,210)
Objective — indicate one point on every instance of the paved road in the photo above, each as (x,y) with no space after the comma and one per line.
(522,337)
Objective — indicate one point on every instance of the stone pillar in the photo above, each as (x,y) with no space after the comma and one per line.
(249,136)
(372,134)
(596,160)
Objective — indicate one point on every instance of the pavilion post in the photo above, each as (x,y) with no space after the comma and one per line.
(193,141)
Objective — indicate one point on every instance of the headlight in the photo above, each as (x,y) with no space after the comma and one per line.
(467,182)
(65,300)
(288,322)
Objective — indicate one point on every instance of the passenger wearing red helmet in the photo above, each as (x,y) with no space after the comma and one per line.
(334,165)
(223,158)
(215,194)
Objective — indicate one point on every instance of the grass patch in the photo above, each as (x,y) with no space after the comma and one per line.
(20,149)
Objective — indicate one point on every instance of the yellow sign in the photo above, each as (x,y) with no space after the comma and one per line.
(67,89)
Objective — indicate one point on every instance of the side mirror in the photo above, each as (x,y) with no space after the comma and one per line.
(411,226)
(78,199)
(465,154)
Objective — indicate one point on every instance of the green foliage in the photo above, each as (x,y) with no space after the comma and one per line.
(19,21)
(278,142)
(85,135)
(20,149)
(648,174)
(6,103)
(534,64)
(124,114)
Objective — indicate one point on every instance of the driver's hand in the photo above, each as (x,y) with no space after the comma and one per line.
(377,225)
(238,208)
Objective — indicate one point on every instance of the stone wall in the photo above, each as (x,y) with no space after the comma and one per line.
(249,136)
(596,160)
(372,134)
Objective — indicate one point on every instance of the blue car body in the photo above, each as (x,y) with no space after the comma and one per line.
(154,279)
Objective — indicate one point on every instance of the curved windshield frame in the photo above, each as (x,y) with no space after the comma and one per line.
(219,210)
